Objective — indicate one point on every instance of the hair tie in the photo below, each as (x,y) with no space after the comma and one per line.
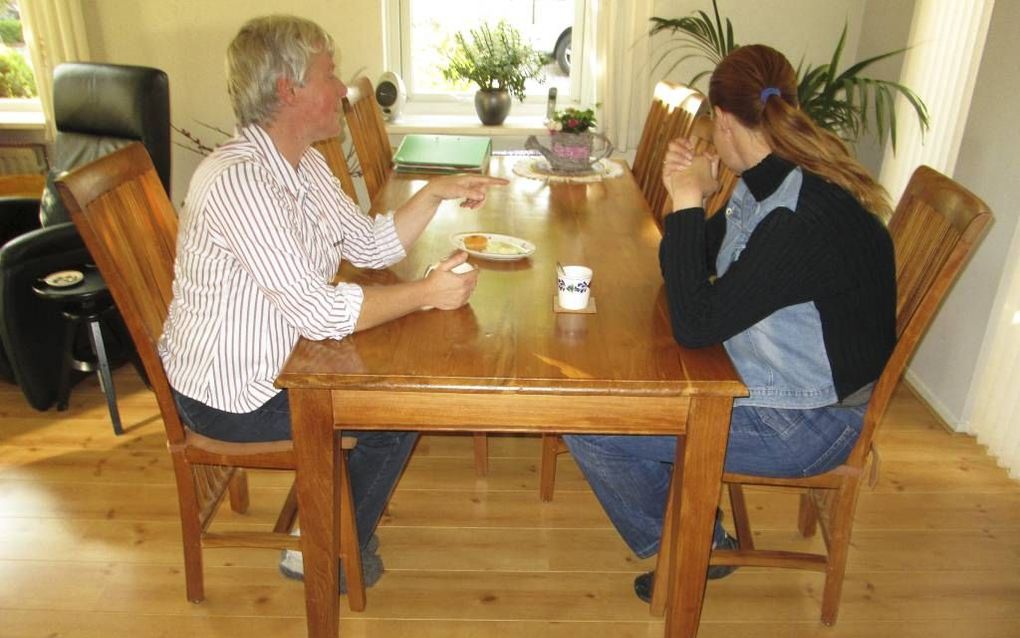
(767,91)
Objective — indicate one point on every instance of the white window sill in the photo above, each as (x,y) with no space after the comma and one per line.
(22,120)
(514,126)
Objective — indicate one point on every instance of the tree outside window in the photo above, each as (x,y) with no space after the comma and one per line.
(16,77)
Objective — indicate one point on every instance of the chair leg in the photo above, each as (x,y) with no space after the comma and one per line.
(105,378)
(551,444)
(740,520)
(288,513)
(238,490)
(191,529)
(840,527)
(807,516)
(350,548)
(481,454)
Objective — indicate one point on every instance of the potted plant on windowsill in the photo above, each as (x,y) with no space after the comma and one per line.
(843,102)
(499,61)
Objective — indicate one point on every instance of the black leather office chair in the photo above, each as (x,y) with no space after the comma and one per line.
(98,108)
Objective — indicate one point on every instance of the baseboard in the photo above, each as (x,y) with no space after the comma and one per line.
(936,406)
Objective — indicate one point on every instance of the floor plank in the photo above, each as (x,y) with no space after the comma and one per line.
(90,543)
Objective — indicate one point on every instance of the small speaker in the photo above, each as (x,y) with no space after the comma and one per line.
(391,95)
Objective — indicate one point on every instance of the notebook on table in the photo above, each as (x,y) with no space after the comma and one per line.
(421,153)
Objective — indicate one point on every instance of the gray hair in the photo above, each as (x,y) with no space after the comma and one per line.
(263,51)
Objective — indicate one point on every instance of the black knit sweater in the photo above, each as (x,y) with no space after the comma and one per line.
(830,251)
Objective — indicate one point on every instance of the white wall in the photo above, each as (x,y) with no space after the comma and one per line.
(945,366)
(802,29)
(188,40)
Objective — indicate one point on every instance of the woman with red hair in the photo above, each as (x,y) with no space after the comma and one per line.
(794,276)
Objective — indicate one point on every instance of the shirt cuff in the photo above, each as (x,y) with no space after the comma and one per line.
(347,308)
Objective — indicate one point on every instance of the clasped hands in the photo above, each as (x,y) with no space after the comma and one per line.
(689,177)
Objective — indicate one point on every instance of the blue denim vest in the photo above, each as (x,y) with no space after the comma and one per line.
(782,358)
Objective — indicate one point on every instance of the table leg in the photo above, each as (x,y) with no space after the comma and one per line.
(105,378)
(694,508)
(316,451)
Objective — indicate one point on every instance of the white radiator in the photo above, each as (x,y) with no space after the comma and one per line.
(16,160)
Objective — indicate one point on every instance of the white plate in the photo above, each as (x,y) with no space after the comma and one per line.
(64,278)
(500,248)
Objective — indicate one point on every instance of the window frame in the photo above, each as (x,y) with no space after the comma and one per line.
(23,112)
(397,54)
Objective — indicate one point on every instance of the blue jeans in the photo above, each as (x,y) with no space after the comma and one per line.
(630,475)
(374,465)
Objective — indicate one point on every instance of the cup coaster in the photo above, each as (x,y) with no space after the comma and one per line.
(590,309)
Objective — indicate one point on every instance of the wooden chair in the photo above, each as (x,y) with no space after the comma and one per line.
(670,116)
(935,228)
(130,228)
(368,132)
(332,149)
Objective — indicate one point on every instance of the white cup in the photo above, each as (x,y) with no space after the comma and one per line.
(460,269)
(573,286)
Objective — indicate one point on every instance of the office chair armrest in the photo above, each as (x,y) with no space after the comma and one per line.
(42,242)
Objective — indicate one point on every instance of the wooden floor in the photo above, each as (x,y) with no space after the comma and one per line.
(89,544)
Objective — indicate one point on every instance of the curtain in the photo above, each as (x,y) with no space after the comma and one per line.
(55,32)
(946,42)
(996,418)
(617,44)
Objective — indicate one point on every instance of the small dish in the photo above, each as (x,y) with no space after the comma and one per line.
(498,247)
(64,278)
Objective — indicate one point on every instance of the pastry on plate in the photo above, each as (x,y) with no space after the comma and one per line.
(476,242)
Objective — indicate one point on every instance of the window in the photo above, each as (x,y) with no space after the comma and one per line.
(420,31)
(18,95)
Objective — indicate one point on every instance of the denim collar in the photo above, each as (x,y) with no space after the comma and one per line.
(764,178)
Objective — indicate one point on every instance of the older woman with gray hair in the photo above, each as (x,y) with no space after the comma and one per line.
(264,227)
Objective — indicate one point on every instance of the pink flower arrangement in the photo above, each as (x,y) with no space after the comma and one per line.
(571,120)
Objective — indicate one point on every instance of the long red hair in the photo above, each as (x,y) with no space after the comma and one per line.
(739,86)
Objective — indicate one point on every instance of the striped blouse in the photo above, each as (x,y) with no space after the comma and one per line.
(257,247)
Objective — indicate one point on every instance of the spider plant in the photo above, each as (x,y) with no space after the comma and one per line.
(844,102)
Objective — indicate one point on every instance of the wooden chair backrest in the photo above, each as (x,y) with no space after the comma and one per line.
(121,210)
(368,132)
(671,115)
(333,152)
(935,228)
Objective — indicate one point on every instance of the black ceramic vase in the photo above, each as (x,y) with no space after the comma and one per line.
(492,106)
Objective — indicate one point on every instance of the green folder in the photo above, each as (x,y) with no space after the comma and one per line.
(443,154)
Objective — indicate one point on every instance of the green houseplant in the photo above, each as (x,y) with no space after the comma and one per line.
(844,102)
(499,61)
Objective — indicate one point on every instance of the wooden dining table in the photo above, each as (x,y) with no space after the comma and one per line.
(508,362)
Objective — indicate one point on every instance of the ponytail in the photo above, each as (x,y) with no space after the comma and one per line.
(758,86)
